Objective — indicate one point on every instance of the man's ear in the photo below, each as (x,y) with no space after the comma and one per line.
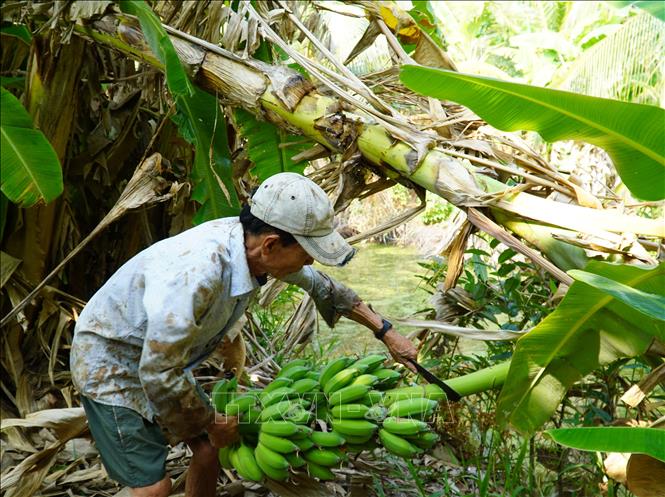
(270,243)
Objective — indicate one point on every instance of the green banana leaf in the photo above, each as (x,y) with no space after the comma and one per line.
(31,170)
(19,31)
(647,303)
(268,146)
(588,329)
(632,134)
(655,8)
(649,441)
(199,120)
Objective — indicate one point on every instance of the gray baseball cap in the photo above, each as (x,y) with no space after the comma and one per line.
(297,205)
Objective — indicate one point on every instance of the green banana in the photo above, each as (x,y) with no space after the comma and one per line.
(353,427)
(274,465)
(295,461)
(305,385)
(322,457)
(280,428)
(278,444)
(245,464)
(431,392)
(277,395)
(320,472)
(303,443)
(401,426)
(327,439)
(398,445)
(365,379)
(223,456)
(371,398)
(304,431)
(313,375)
(223,392)
(388,378)
(425,440)
(332,368)
(347,395)
(340,380)
(277,383)
(372,361)
(279,410)
(240,405)
(252,415)
(296,363)
(412,408)
(349,411)
(295,373)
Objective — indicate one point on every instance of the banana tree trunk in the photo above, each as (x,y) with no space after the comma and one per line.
(285,98)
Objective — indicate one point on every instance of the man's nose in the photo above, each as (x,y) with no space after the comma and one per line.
(309,261)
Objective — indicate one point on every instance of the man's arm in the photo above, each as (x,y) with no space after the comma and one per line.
(399,346)
(333,300)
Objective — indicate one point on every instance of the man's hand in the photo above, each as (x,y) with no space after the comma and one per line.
(223,431)
(400,348)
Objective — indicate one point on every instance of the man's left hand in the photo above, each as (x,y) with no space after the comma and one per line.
(400,348)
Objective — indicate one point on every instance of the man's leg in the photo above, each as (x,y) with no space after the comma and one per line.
(133,449)
(160,489)
(203,468)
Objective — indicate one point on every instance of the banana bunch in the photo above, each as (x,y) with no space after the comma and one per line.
(354,398)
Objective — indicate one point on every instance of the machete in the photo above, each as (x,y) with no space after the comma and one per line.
(450,393)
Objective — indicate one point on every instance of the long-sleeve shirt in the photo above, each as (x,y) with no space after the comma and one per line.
(164,311)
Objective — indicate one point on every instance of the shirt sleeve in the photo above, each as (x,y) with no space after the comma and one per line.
(332,299)
(172,307)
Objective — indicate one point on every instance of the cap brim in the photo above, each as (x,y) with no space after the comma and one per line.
(330,249)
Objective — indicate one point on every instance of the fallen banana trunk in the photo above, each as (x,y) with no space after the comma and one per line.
(285,98)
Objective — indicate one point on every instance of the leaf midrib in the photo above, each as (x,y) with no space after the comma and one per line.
(24,163)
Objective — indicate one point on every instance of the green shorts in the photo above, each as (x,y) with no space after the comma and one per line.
(133,450)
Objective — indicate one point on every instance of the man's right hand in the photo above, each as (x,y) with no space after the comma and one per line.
(223,431)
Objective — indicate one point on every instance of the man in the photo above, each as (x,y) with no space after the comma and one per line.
(164,311)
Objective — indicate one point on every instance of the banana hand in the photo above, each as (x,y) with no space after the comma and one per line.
(400,348)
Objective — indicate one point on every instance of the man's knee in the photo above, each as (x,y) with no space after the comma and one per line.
(160,489)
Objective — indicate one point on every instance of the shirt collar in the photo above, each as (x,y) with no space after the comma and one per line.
(242,281)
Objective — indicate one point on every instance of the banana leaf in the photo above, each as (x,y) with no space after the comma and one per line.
(632,134)
(588,329)
(199,120)
(270,148)
(649,441)
(650,304)
(31,171)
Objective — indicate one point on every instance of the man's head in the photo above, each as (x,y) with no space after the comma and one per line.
(292,219)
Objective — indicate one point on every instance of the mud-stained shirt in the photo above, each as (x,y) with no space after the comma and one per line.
(163,312)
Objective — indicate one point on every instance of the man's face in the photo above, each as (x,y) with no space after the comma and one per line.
(280,260)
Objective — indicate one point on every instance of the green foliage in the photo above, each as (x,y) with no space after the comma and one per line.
(649,304)
(200,122)
(31,171)
(649,441)
(588,329)
(269,147)
(507,291)
(437,211)
(19,31)
(637,150)
(656,9)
